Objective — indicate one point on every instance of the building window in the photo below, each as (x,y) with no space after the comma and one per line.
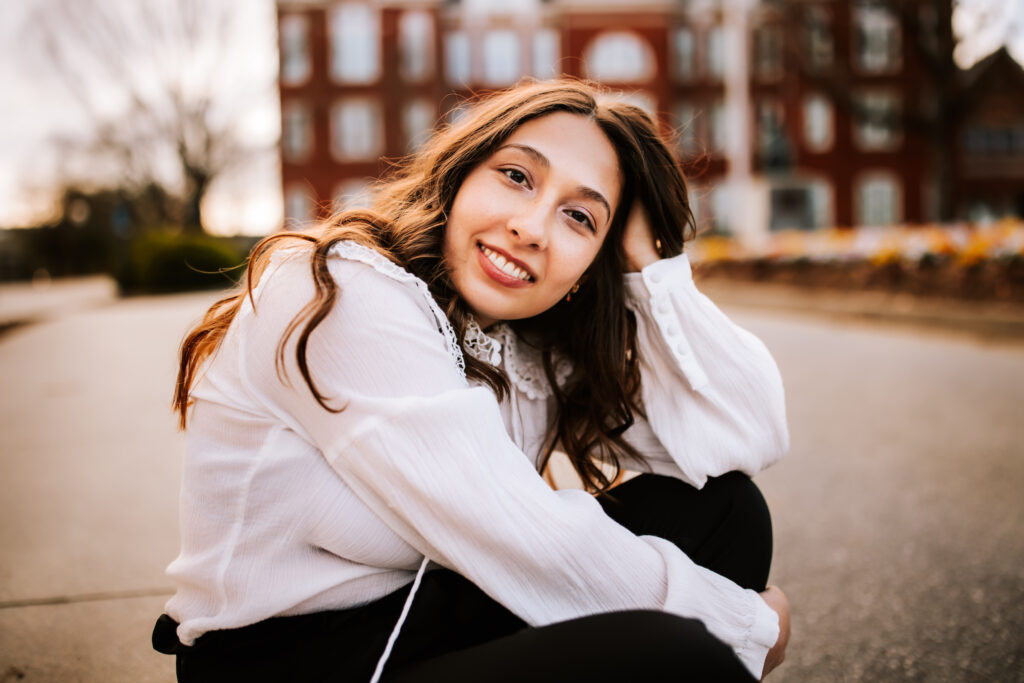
(717,127)
(354,193)
(296,132)
(355,43)
(457,61)
(501,57)
(546,53)
(876,122)
(418,118)
(688,139)
(797,204)
(298,206)
(819,43)
(981,139)
(296,63)
(721,218)
(876,39)
(716,53)
(772,147)
(818,123)
(878,200)
(767,53)
(684,51)
(356,131)
(416,45)
(619,57)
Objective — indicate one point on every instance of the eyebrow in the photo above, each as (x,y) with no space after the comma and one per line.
(588,192)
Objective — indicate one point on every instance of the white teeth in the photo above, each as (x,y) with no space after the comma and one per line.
(505,265)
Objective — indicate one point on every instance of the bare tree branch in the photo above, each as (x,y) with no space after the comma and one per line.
(149,78)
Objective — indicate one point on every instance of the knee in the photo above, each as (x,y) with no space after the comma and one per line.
(749,523)
(745,501)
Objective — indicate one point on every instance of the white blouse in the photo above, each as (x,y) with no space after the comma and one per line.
(287,508)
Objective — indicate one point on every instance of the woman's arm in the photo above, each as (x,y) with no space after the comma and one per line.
(712,392)
(431,457)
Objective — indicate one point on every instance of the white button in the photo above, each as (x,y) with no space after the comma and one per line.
(664,307)
(673,330)
(681,349)
(655,278)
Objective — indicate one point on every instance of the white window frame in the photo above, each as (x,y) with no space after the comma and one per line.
(714,54)
(416,35)
(811,141)
(863,215)
(296,113)
(547,53)
(761,70)
(717,127)
(876,23)
(867,137)
(358,145)
(619,57)
(820,16)
(355,43)
(418,119)
(458,60)
(502,57)
(352,193)
(689,138)
(296,195)
(296,50)
(685,54)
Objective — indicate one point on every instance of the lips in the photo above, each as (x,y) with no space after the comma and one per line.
(506,265)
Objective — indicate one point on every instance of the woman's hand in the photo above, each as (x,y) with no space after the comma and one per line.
(638,240)
(778,601)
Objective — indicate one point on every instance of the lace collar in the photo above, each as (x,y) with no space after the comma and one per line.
(522,363)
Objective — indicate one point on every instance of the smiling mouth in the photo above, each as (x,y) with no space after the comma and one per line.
(504,265)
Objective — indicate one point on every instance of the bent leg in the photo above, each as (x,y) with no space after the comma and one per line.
(725,527)
(612,647)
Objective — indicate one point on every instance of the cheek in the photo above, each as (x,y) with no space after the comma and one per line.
(573,264)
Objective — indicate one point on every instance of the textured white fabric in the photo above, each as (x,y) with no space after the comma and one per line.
(288,508)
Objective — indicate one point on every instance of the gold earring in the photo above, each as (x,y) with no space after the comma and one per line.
(657,246)
(575,288)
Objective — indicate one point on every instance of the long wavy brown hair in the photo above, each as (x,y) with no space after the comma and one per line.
(407,221)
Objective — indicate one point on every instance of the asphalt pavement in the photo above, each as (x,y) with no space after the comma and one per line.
(898,512)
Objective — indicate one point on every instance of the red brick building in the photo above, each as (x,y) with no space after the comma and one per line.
(792,109)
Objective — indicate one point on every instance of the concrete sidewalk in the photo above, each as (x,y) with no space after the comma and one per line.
(32,302)
(88,499)
(897,513)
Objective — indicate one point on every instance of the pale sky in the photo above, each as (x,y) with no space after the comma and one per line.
(35,107)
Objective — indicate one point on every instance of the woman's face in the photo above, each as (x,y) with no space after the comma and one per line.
(528,221)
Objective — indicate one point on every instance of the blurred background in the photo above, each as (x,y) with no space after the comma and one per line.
(856,170)
(821,130)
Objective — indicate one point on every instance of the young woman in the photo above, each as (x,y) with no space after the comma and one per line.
(384,393)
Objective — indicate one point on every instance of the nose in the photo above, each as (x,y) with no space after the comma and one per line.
(530,228)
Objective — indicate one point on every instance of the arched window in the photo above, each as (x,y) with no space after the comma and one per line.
(619,57)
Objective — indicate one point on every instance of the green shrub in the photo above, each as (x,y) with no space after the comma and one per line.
(164,261)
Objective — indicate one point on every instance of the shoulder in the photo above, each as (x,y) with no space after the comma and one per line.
(374,296)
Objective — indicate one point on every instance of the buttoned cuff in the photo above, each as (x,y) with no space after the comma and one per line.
(661,292)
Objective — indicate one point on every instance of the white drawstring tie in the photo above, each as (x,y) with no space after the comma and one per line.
(398,625)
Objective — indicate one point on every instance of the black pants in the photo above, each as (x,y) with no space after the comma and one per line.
(455,633)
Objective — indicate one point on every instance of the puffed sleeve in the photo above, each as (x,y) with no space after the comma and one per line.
(431,457)
(711,390)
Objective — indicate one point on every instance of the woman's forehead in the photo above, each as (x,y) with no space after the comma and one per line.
(574,147)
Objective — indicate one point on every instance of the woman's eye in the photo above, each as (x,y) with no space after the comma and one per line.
(580,218)
(515,175)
